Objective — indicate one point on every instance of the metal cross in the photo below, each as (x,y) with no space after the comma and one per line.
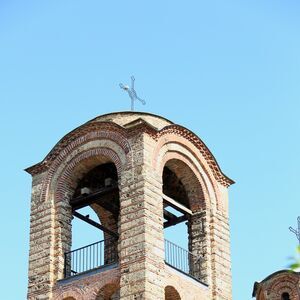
(296,232)
(132,93)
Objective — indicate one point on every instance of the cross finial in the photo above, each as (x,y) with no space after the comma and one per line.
(132,93)
(296,232)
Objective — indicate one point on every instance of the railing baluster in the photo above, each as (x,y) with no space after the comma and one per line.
(100,254)
(65,265)
(105,252)
(93,256)
(181,259)
(90,257)
(76,270)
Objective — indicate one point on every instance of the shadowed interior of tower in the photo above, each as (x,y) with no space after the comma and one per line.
(177,209)
(97,190)
(97,194)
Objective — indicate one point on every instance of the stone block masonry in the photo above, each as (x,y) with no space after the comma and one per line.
(141,147)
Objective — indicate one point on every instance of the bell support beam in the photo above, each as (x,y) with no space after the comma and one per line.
(175,221)
(169,216)
(176,205)
(99,197)
(95,224)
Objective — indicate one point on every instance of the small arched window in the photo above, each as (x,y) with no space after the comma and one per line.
(285,296)
(171,293)
(109,292)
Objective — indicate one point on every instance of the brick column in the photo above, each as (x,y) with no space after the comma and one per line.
(141,229)
(40,281)
(209,239)
(199,245)
(221,263)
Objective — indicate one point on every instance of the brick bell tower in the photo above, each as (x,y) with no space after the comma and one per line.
(141,174)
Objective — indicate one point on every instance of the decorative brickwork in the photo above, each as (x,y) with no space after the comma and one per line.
(140,146)
(55,159)
(208,227)
(93,287)
(281,285)
(198,143)
(185,288)
(109,292)
(80,135)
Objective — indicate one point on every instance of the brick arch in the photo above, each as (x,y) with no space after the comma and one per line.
(87,287)
(293,293)
(70,145)
(194,184)
(73,294)
(109,291)
(178,144)
(89,130)
(200,204)
(63,186)
(171,293)
(104,283)
(178,131)
(276,284)
(285,284)
(207,190)
(286,293)
(80,164)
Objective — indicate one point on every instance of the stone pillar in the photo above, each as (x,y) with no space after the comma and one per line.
(221,263)
(50,238)
(141,228)
(40,279)
(209,239)
(199,245)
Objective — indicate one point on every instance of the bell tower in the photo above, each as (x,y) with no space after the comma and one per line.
(141,174)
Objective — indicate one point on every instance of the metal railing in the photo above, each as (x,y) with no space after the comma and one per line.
(182,260)
(90,257)
(105,252)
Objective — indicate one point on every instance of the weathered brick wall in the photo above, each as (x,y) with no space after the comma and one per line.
(181,287)
(208,228)
(41,238)
(141,234)
(92,287)
(139,151)
(50,201)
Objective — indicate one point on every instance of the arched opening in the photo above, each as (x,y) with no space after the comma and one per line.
(95,207)
(285,296)
(109,292)
(175,218)
(171,293)
(183,199)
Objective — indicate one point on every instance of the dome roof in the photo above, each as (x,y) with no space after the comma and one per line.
(127,117)
(126,122)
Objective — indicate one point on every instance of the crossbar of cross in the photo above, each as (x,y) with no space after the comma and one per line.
(132,93)
(296,232)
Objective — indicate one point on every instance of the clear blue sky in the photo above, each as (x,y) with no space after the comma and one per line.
(228,70)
